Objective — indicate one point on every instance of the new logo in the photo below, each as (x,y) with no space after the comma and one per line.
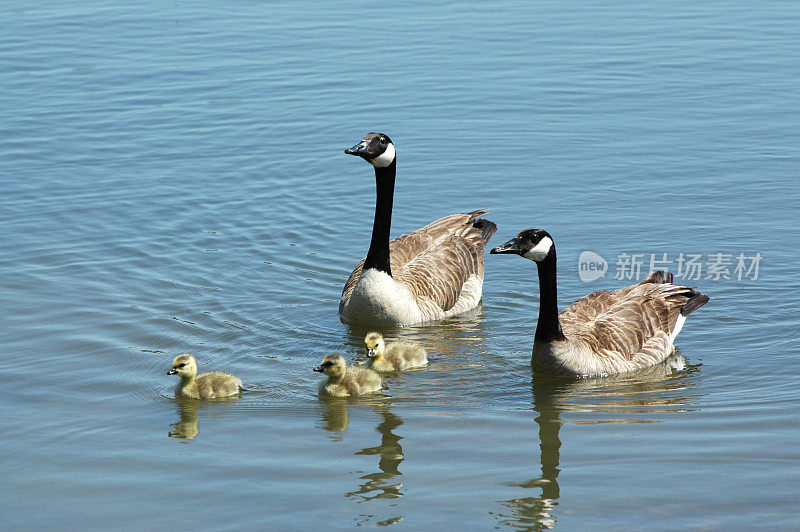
(591,266)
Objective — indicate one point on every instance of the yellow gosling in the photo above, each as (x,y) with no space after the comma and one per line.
(205,386)
(393,357)
(344,381)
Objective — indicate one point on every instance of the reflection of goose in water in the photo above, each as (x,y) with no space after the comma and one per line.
(657,389)
(334,416)
(377,485)
(187,428)
(653,390)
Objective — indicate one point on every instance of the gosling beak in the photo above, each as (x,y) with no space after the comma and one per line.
(319,369)
(359,149)
(370,352)
(509,247)
(172,371)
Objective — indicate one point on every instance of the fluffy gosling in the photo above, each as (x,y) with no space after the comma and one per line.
(344,381)
(205,386)
(394,357)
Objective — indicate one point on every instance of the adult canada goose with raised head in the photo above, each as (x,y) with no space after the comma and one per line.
(429,274)
(604,332)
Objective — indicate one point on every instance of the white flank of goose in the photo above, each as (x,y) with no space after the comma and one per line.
(429,274)
(604,332)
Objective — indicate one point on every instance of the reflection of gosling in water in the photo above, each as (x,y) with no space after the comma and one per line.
(205,386)
(344,381)
(395,356)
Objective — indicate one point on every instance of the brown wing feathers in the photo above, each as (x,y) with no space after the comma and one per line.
(435,261)
(626,320)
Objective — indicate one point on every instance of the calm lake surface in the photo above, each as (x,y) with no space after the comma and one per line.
(173,180)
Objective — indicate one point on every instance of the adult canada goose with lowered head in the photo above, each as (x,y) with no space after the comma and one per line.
(604,332)
(429,274)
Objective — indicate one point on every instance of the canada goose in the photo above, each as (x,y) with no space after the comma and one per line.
(344,381)
(396,356)
(205,386)
(429,274)
(604,332)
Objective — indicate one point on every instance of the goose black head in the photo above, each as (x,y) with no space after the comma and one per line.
(375,148)
(533,244)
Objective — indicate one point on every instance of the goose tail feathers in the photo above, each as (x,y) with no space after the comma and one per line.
(486,227)
(695,301)
(658,277)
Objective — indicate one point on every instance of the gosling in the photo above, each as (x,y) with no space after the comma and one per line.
(394,357)
(205,386)
(345,381)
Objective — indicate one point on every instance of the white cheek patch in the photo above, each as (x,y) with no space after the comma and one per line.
(540,250)
(384,159)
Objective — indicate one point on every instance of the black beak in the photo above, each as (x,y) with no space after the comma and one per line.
(172,371)
(319,369)
(359,149)
(509,247)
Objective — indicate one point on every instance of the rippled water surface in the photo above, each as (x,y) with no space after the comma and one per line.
(173,180)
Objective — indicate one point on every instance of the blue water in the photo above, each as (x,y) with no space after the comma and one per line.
(173,180)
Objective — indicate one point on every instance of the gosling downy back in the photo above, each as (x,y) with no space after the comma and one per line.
(205,386)
(429,274)
(344,380)
(604,332)
(396,356)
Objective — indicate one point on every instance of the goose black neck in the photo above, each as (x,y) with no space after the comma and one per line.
(548,328)
(378,254)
